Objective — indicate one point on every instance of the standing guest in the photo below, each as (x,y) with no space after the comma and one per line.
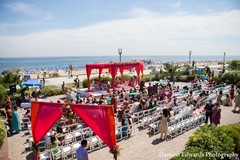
(63,86)
(208,109)
(216,114)
(43,80)
(9,114)
(81,152)
(163,127)
(15,124)
(232,92)
(237,102)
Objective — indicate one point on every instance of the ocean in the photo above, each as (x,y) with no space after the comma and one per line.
(31,63)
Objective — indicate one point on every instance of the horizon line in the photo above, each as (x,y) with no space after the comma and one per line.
(117,56)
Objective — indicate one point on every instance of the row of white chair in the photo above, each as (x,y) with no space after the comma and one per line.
(125,132)
(69,151)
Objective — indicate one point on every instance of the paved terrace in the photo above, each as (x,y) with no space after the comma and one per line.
(140,146)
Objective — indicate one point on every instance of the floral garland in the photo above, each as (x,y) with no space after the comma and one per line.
(115,151)
(68,113)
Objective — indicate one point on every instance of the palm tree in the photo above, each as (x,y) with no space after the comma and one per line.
(70,66)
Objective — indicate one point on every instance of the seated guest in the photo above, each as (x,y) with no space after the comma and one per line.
(228,101)
(124,125)
(54,145)
(135,106)
(27,115)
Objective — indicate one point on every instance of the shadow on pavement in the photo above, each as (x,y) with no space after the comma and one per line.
(157,141)
(30,156)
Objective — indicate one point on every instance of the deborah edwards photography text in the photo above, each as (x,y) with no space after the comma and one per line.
(207,154)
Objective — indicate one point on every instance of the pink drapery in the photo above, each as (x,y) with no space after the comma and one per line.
(43,117)
(99,118)
(113,67)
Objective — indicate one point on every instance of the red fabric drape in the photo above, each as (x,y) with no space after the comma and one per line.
(43,117)
(100,119)
(113,68)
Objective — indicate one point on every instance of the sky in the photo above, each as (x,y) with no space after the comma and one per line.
(99,27)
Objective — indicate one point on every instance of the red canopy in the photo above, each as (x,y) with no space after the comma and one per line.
(113,67)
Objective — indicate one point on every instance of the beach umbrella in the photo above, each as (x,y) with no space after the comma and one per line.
(32,82)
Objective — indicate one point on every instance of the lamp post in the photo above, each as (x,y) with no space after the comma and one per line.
(190,52)
(120,53)
(224,54)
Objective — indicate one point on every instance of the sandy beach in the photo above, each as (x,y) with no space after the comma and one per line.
(64,76)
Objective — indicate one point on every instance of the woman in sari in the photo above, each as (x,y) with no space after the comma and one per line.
(15,124)
(216,114)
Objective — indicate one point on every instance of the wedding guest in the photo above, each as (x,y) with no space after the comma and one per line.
(163,127)
(54,146)
(9,114)
(219,97)
(81,152)
(232,92)
(228,101)
(15,124)
(237,101)
(216,114)
(208,111)
(27,115)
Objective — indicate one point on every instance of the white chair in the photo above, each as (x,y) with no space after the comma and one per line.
(124,131)
(172,132)
(75,146)
(46,155)
(77,135)
(56,153)
(118,134)
(25,122)
(154,127)
(66,152)
(94,143)
(42,145)
(30,141)
(68,138)
(86,132)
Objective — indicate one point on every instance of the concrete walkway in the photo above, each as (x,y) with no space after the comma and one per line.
(140,146)
(143,147)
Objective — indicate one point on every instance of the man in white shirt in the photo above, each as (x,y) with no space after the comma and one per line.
(135,106)
(81,152)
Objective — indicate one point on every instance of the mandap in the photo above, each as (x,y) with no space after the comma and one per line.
(113,68)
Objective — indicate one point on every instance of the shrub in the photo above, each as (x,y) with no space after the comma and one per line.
(216,78)
(233,130)
(212,139)
(126,77)
(190,77)
(231,76)
(211,142)
(148,77)
(52,75)
(103,79)
(84,83)
(51,91)
(3,94)
(3,132)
